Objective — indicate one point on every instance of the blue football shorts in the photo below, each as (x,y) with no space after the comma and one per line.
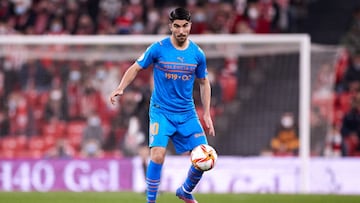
(184,130)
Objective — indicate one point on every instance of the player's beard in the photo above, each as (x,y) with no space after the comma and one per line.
(181,39)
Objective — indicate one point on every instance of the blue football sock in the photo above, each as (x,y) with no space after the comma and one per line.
(194,176)
(153,180)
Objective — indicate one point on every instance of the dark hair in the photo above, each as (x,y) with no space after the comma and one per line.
(180,14)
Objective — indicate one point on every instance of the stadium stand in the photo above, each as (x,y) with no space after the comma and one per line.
(30,125)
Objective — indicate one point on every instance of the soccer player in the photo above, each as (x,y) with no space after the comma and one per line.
(177,64)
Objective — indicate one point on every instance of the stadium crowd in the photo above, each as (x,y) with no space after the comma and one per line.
(107,17)
(59,108)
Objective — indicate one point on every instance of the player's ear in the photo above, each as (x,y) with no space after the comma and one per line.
(170,27)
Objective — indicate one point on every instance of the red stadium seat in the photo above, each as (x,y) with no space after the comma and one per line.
(21,142)
(75,128)
(36,143)
(36,147)
(9,143)
(74,133)
(54,129)
(7,153)
(49,141)
(14,146)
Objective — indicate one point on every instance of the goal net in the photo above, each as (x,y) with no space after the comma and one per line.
(256,79)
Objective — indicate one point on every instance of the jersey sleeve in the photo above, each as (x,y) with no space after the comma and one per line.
(148,57)
(201,70)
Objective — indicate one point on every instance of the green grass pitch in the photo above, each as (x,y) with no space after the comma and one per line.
(130,197)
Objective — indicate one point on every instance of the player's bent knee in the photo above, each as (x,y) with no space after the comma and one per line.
(158,154)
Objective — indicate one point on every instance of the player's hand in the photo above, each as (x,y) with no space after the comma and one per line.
(209,124)
(114,94)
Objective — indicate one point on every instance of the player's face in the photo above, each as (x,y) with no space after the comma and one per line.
(180,29)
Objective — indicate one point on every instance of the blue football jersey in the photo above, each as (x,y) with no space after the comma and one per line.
(174,74)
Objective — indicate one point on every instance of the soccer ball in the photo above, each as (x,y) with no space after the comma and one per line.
(203,157)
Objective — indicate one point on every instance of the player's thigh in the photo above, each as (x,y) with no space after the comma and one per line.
(160,130)
(189,135)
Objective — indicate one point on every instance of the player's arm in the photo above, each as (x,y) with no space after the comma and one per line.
(128,77)
(205,93)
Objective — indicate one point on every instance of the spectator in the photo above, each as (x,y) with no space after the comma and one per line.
(352,74)
(110,8)
(135,136)
(351,39)
(34,72)
(350,130)
(24,17)
(162,27)
(6,10)
(74,90)
(255,19)
(106,77)
(318,129)
(282,19)
(104,25)
(61,150)
(153,21)
(43,15)
(71,17)
(323,92)
(216,89)
(2,85)
(91,101)
(333,142)
(10,74)
(85,25)
(142,114)
(111,141)
(57,27)
(343,102)
(56,105)
(6,28)
(286,140)
(221,19)
(18,113)
(131,129)
(93,136)
(4,124)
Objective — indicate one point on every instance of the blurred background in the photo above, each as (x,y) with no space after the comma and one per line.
(54,98)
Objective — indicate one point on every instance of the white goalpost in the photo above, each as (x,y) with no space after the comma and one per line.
(231,45)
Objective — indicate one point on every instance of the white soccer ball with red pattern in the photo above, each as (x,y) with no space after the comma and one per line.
(203,157)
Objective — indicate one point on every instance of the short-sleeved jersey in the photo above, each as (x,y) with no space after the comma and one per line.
(174,74)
